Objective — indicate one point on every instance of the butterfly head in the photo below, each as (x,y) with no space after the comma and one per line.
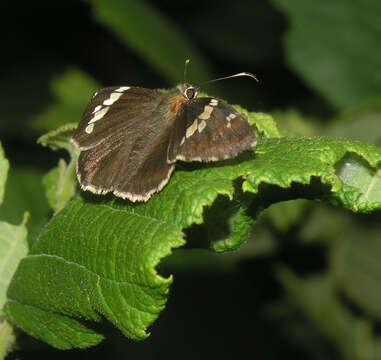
(188,91)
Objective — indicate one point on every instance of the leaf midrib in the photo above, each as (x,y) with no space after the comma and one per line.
(68,262)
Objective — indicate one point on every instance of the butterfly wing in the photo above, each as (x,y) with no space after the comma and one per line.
(130,138)
(124,150)
(213,131)
(111,111)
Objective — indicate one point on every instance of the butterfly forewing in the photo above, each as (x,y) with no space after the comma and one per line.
(214,131)
(124,149)
(113,110)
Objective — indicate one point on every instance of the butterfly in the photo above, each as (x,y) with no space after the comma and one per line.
(130,138)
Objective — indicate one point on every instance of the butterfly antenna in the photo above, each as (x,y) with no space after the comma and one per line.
(187,61)
(233,76)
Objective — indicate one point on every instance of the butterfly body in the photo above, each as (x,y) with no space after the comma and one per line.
(130,137)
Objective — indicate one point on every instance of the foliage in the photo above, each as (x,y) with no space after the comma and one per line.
(150,36)
(13,247)
(329,62)
(298,217)
(80,248)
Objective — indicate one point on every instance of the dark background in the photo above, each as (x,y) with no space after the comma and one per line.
(243,310)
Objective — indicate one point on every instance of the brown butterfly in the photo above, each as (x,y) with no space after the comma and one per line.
(131,137)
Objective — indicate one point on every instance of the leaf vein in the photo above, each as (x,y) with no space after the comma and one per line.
(86,269)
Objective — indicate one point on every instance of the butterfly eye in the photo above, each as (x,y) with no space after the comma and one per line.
(190,93)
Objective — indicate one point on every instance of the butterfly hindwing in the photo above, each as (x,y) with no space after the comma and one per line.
(129,170)
(214,131)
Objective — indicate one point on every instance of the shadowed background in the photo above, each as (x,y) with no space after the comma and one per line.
(319,66)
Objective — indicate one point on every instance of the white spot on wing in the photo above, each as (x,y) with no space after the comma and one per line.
(231,117)
(191,129)
(113,97)
(206,114)
(213,102)
(197,158)
(89,128)
(97,108)
(201,126)
(123,88)
(99,115)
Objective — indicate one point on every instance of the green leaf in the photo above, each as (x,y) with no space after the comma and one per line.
(286,214)
(285,161)
(361,123)
(355,172)
(334,45)
(4,167)
(98,256)
(60,184)
(13,244)
(231,43)
(264,122)
(157,39)
(72,92)
(7,337)
(60,138)
(240,225)
(77,279)
(292,123)
(13,247)
(355,262)
(315,297)
(25,193)
(229,232)
(324,223)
